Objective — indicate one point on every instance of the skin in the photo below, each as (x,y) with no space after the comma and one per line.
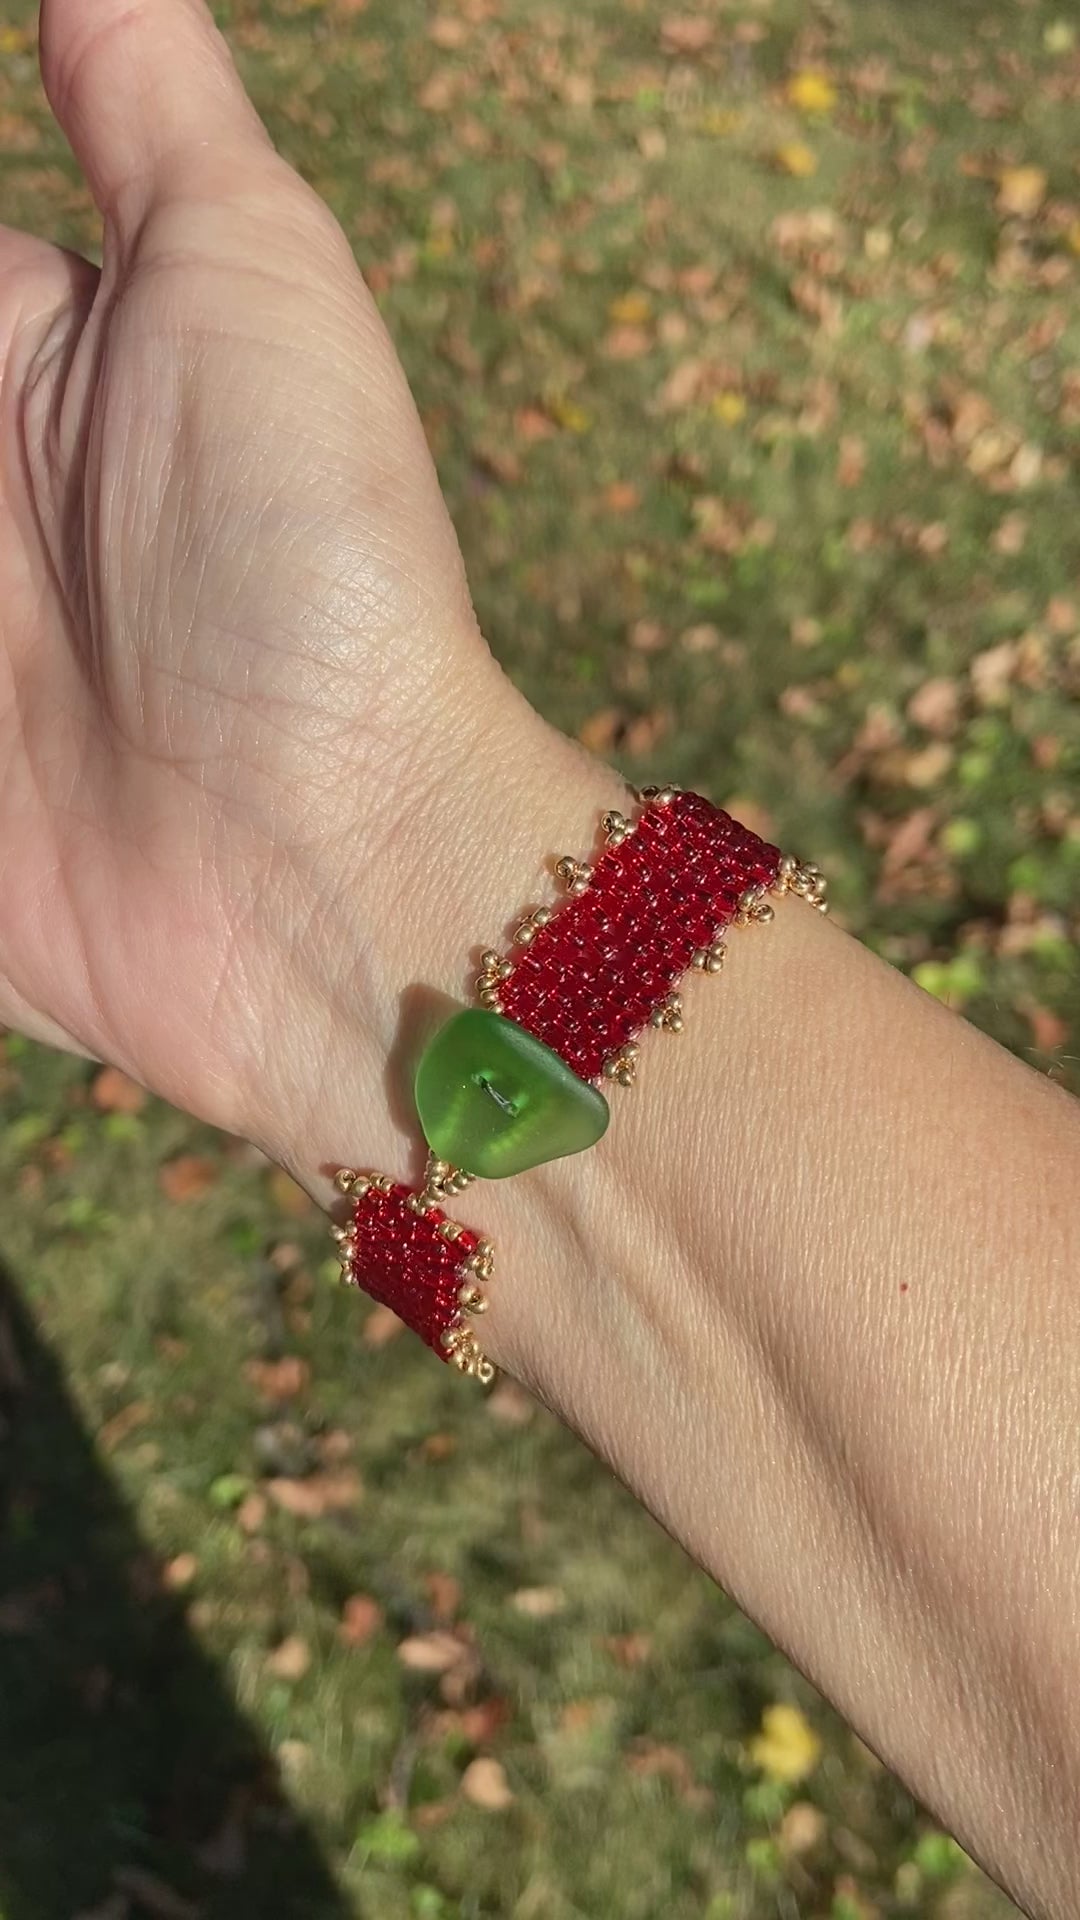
(812,1297)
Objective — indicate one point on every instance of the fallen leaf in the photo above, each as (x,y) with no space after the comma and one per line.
(113,1092)
(729,407)
(626,343)
(811,91)
(380,1326)
(431,1652)
(320,1493)
(935,706)
(539,1603)
(279,1379)
(787,1748)
(484,1784)
(1010,538)
(481,1723)
(251,1513)
(993,672)
(116,1430)
(802,1828)
(851,464)
(444,1593)
(289,1198)
(628,1649)
(621,496)
(361,1619)
(1049,1032)
(601,730)
(796,158)
(686,33)
(188,1176)
(512,1405)
(702,638)
(290,1660)
(180,1572)
(630,309)
(1021,191)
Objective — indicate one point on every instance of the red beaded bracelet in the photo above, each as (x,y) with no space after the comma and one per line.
(513,1083)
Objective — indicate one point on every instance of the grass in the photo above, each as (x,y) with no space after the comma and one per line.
(757,406)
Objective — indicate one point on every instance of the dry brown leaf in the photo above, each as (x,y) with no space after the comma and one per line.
(320,1493)
(601,730)
(626,343)
(1049,1032)
(290,1660)
(279,1379)
(686,33)
(116,1430)
(621,496)
(512,1405)
(993,672)
(802,1828)
(481,1723)
(188,1176)
(628,1649)
(539,1603)
(432,1652)
(179,1572)
(851,464)
(444,1594)
(484,1784)
(935,706)
(113,1092)
(289,1198)
(380,1326)
(361,1619)
(251,1513)
(531,423)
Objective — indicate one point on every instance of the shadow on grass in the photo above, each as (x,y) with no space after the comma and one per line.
(121,1751)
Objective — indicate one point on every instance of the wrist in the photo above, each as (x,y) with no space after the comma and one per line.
(382,930)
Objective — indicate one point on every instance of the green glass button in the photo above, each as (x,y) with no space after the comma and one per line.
(493,1100)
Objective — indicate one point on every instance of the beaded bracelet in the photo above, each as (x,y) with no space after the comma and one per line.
(513,1082)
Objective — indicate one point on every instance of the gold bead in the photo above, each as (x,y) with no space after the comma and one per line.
(714,963)
(343,1179)
(700,959)
(450,1230)
(675,1024)
(504,969)
(624,1077)
(565,867)
(489,959)
(525,934)
(340,1233)
(659,1018)
(485,1250)
(665,796)
(489,998)
(485,1373)
(763,913)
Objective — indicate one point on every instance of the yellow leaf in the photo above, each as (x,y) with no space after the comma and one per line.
(797,159)
(787,1748)
(730,408)
(630,309)
(1021,191)
(570,415)
(811,91)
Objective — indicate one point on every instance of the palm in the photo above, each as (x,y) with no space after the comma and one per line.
(224,564)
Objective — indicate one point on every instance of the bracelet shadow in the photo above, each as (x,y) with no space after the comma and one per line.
(122,1753)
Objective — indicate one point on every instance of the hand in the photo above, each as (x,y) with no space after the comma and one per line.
(246,715)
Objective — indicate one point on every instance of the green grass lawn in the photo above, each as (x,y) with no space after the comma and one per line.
(746,337)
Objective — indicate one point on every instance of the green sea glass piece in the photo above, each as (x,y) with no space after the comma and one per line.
(493,1100)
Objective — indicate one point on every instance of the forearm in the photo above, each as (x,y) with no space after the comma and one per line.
(815,1304)
(812,1299)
